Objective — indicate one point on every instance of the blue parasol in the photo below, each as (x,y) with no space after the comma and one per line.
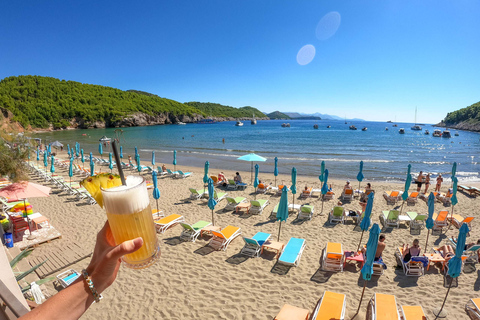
(83,158)
(252,157)
(92,168)
(322,171)
(294,184)
(365,224)
(429,223)
(408,181)
(156,192)
(68,150)
(110,162)
(100,149)
(360,174)
(205,176)
(52,165)
(282,210)
(275,171)
(70,171)
(174,160)
(153,158)
(136,152)
(256,182)
(121,152)
(211,198)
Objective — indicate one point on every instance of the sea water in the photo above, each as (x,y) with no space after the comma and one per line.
(386,154)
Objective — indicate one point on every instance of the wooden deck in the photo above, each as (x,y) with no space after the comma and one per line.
(42,235)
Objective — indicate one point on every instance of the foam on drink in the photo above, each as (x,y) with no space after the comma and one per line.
(117,202)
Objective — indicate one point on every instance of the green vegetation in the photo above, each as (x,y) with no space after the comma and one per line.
(218,110)
(469,115)
(12,158)
(278,115)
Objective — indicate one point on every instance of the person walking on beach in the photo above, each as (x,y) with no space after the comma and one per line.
(439,182)
(419,181)
(427,182)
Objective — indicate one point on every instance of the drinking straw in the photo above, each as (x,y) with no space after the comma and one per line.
(117,160)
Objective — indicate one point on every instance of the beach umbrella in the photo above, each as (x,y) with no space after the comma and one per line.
(136,152)
(83,158)
(455,263)
(454,198)
(256,182)
(92,168)
(45,161)
(49,149)
(153,158)
(322,171)
(121,152)
(367,269)
(365,224)
(360,174)
(57,144)
(454,170)
(156,192)
(52,165)
(110,162)
(91,158)
(211,198)
(68,150)
(282,210)
(100,149)
(325,186)
(77,149)
(275,171)
(408,181)
(205,176)
(429,222)
(38,156)
(294,184)
(252,157)
(174,160)
(139,166)
(70,171)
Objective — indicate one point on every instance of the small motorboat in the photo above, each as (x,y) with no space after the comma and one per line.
(253,121)
(394,125)
(446,134)
(456,134)
(437,133)
(239,124)
(180,123)
(386,128)
(328,127)
(315,126)
(364,129)
(286,125)
(427,132)
(401,131)
(352,127)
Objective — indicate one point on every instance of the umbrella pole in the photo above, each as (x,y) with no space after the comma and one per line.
(437,313)
(251,173)
(158,211)
(401,208)
(279,228)
(358,185)
(31,236)
(213,218)
(360,242)
(322,203)
(451,220)
(275,181)
(361,298)
(428,233)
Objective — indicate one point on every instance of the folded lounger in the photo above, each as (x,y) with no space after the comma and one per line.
(333,257)
(254,244)
(258,206)
(233,202)
(164,223)
(292,252)
(390,218)
(473,308)
(221,239)
(337,214)
(191,232)
(289,312)
(182,174)
(330,306)
(306,212)
(197,194)
(383,307)
(413,313)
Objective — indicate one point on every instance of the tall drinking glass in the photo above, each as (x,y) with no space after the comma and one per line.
(130,216)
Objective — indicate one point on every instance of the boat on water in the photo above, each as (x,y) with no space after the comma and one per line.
(286,125)
(206,121)
(315,126)
(437,133)
(427,132)
(328,127)
(446,134)
(352,127)
(386,128)
(416,127)
(395,125)
(180,123)
(401,131)
(253,121)
(364,129)
(389,121)
(239,124)
(456,134)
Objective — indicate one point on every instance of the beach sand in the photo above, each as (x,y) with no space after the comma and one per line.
(192,282)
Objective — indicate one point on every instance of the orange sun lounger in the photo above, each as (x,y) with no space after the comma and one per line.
(383,307)
(289,312)
(221,239)
(330,306)
(413,313)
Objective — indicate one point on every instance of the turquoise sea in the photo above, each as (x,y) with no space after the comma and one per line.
(386,154)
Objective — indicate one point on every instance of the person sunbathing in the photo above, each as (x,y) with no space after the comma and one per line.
(446,251)
(413,251)
(221,177)
(347,186)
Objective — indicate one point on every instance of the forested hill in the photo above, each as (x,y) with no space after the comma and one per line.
(45,102)
(219,110)
(464,119)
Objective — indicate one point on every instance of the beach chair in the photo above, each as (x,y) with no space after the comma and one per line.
(254,244)
(289,312)
(410,268)
(171,173)
(306,193)
(306,212)
(219,196)
(412,198)
(66,278)
(197,194)
(191,232)
(333,257)
(221,239)
(390,218)
(231,184)
(337,214)
(392,196)
(257,206)
(160,171)
(279,190)
(473,308)
(417,221)
(329,195)
(412,313)
(377,269)
(347,194)
(241,185)
(183,175)
(330,306)
(446,199)
(233,202)
(263,188)
(440,220)
(458,220)
(169,221)
(275,209)
(471,191)
(382,307)
(19,224)
(292,252)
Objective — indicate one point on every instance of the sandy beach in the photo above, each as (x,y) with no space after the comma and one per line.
(192,282)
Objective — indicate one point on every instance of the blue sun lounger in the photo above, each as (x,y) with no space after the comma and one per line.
(292,252)
(254,245)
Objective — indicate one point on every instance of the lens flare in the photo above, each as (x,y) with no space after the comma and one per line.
(328,25)
(306,54)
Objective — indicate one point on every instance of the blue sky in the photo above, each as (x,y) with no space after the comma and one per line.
(375,60)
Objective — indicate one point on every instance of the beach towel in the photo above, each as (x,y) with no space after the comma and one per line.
(380,261)
(423,260)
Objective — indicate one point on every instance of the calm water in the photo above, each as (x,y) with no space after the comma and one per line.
(386,154)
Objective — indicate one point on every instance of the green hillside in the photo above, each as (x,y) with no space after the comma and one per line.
(278,115)
(218,110)
(470,115)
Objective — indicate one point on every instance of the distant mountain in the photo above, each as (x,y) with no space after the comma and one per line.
(323,116)
(277,115)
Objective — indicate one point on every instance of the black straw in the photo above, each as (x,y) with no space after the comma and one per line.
(119,164)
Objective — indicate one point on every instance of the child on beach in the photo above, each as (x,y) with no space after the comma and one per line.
(439,182)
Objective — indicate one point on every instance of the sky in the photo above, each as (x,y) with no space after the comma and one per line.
(375,60)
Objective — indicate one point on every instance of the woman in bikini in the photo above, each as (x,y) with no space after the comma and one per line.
(427,182)
(413,251)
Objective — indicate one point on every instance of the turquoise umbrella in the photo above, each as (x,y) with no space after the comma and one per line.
(68,150)
(83,158)
(205,176)
(70,171)
(136,152)
(52,165)
(367,269)
(153,158)
(325,186)
(455,263)
(174,160)
(365,224)
(91,158)
(110,162)
(282,210)
(45,161)
(360,174)
(211,198)
(139,166)
(294,184)
(454,170)
(431,208)
(275,171)
(252,157)
(156,192)
(38,156)
(454,198)
(92,168)
(77,149)
(408,181)
(100,149)
(121,152)
(256,182)
(322,171)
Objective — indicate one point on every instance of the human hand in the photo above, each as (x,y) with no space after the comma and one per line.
(103,267)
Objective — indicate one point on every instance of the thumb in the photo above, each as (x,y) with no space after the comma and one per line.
(126,247)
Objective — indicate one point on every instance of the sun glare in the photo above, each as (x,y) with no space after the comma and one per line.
(306,54)
(328,25)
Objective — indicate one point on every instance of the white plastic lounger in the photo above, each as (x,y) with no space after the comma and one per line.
(473,308)
(333,257)
(221,239)
(254,245)
(413,313)
(390,218)
(337,214)
(292,252)
(258,206)
(306,212)
(66,278)
(219,196)
(183,175)
(331,306)
(233,202)
(231,184)
(191,232)
(196,194)
(164,223)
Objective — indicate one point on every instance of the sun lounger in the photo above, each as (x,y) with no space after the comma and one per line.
(231,184)
(66,278)
(241,185)
(330,306)
(471,191)
(197,194)
(383,307)
(333,257)
(392,196)
(417,221)
(473,308)
(221,239)
(292,252)
(254,245)
(306,212)
(337,214)
(219,196)
(377,269)
(458,220)
(306,193)
(160,171)
(440,220)
(329,195)
(347,194)
(182,175)
(171,173)
(412,313)
(412,198)
(289,312)
(257,206)
(191,232)
(410,268)
(275,209)
(390,218)
(164,223)
(233,202)
(279,190)
(446,198)
(263,188)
